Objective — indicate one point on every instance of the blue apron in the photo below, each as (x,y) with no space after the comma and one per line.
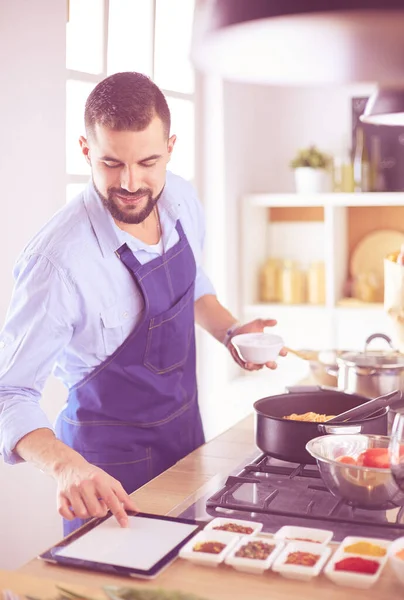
(137,413)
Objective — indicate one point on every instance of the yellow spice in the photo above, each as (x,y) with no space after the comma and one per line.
(365,548)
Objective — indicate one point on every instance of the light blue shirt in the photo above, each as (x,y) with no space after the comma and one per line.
(74,302)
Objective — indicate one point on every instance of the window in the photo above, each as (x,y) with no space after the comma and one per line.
(130,36)
(149,36)
(173,26)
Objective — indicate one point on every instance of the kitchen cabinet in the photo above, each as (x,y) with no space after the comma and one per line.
(325,236)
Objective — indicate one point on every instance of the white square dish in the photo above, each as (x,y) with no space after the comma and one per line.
(253,565)
(206,558)
(290,533)
(353,578)
(223,521)
(296,571)
(396,563)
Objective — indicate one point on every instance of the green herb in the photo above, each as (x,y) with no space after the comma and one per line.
(140,594)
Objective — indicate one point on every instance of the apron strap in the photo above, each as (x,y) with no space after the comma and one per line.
(129,259)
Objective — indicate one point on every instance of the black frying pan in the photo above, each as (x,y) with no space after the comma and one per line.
(286,440)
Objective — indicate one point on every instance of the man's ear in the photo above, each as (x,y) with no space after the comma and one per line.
(85,148)
(171,144)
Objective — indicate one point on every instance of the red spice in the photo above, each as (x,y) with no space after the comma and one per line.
(305,559)
(234,527)
(209,547)
(358,565)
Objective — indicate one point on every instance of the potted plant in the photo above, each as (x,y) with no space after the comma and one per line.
(312,171)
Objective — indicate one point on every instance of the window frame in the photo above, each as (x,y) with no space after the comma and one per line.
(94,79)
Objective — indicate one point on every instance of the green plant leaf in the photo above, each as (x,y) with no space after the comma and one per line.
(310,157)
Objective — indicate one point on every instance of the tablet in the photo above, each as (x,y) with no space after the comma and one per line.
(148,545)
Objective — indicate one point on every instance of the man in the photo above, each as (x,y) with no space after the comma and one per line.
(108,293)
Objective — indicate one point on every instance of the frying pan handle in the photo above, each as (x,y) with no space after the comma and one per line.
(363,411)
(341,429)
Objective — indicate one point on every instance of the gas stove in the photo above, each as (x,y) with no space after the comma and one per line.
(277,493)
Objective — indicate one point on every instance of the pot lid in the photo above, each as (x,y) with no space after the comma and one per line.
(373,359)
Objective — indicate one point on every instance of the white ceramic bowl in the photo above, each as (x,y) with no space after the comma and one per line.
(290,533)
(258,348)
(253,565)
(350,578)
(205,558)
(305,573)
(397,564)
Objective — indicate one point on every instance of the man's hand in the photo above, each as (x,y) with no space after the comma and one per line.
(256,326)
(85,491)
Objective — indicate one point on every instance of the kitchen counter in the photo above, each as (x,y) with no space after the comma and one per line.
(178,487)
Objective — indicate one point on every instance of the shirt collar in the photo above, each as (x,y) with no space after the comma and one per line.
(108,234)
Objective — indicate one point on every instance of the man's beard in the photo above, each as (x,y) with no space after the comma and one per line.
(129,215)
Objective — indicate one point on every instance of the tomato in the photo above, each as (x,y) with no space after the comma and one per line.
(360,459)
(347,460)
(376,457)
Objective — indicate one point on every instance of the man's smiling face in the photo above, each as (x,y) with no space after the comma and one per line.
(129,168)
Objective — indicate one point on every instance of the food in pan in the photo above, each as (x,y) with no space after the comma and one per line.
(235,528)
(209,547)
(400,554)
(256,550)
(366,549)
(309,416)
(357,565)
(304,559)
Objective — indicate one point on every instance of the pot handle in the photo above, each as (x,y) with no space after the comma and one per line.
(298,389)
(341,429)
(375,336)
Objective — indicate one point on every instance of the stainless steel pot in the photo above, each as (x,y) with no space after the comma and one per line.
(372,373)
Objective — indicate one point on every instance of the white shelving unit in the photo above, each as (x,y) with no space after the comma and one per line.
(330,325)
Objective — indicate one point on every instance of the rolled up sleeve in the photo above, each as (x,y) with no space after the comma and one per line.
(39,324)
(195,214)
(203,284)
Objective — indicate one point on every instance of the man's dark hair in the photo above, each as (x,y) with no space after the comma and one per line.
(126,101)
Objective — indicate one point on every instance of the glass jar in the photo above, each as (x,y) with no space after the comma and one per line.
(269,281)
(316,283)
(293,288)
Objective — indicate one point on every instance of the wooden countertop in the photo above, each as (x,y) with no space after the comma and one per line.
(187,481)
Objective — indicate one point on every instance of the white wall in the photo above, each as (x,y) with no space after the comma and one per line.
(264,126)
(32,175)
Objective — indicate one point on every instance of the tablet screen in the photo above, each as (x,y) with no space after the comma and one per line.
(144,547)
